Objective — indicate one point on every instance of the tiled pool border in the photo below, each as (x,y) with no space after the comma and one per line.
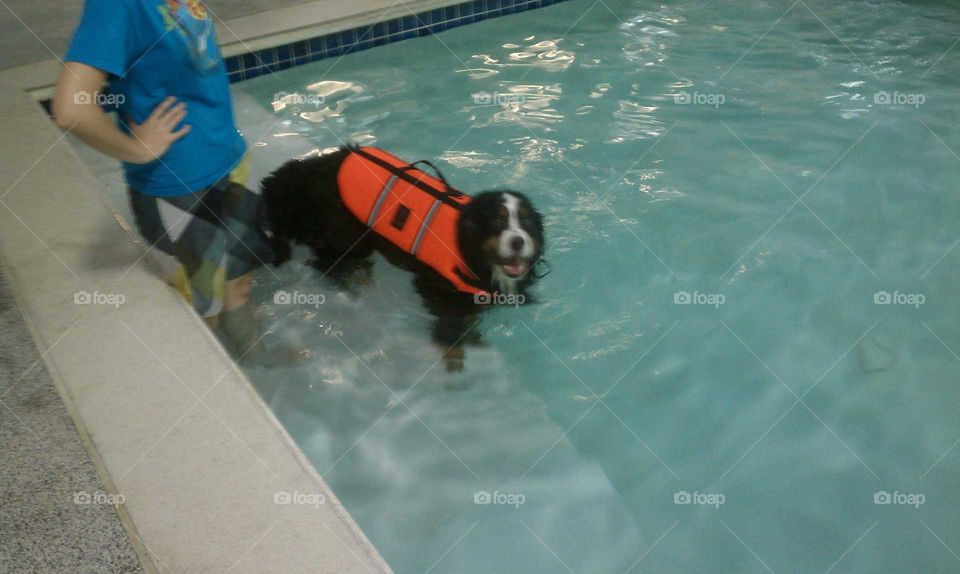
(259,62)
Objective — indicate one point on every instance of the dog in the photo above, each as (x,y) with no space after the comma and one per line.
(463,251)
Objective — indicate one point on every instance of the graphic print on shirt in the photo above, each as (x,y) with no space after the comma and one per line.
(195,27)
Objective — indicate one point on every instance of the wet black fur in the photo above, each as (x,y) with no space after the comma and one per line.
(302,204)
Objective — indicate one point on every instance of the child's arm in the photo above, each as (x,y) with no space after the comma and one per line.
(86,120)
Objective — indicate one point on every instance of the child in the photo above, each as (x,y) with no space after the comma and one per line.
(182,155)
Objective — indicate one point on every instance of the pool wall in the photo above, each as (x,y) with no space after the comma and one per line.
(400,23)
(167,418)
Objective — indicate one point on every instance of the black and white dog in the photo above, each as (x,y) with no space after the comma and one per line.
(463,250)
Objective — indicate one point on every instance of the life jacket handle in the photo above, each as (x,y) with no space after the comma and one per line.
(449,189)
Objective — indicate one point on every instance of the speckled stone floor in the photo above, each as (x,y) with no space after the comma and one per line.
(45,473)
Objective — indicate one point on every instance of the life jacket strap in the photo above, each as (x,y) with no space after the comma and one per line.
(469,279)
(384,193)
(424,225)
(447,196)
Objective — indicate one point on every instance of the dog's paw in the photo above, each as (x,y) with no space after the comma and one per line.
(453,359)
(360,277)
(454,365)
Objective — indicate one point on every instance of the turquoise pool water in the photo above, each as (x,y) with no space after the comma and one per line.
(712,380)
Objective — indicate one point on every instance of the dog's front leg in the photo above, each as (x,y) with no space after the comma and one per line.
(452,333)
(454,319)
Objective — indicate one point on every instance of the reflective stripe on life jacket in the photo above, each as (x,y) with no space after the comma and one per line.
(409,208)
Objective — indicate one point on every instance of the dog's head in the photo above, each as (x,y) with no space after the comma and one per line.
(501,238)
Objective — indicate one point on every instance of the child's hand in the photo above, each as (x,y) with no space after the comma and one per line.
(157,134)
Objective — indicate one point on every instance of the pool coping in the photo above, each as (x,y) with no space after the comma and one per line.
(200,477)
(247,34)
(257,33)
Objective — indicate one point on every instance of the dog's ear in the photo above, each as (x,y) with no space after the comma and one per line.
(469,233)
(538,229)
(469,225)
(538,222)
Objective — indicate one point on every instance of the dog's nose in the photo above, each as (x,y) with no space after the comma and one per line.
(516,243)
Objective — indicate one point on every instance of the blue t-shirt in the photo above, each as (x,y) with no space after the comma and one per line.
(153,49)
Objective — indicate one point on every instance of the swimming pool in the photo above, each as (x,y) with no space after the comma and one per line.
(745,359)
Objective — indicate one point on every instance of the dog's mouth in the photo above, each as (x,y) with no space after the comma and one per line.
(515,268)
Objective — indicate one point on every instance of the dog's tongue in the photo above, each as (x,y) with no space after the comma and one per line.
(514,269)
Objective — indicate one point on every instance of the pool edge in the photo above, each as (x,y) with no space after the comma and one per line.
(254,34)
(40,246)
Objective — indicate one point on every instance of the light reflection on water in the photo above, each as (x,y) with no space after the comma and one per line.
(646,196)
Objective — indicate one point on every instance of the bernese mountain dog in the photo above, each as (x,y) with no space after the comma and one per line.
(465,252)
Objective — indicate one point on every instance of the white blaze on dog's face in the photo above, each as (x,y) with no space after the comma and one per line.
(501,236)
(515,246)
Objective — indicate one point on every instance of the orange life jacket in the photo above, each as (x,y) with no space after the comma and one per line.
(412,209)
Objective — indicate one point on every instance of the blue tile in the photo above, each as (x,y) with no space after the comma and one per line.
(348,41)
(267,56)
(332,44)
(256,64)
